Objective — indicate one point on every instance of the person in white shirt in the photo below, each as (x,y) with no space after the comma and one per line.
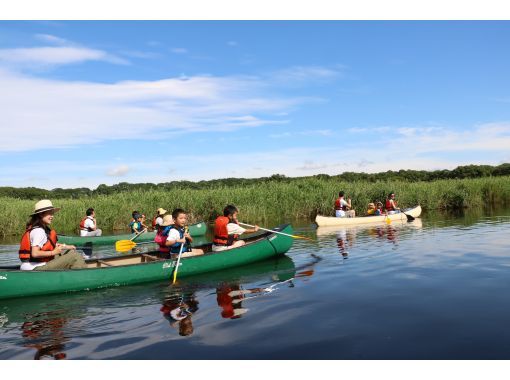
(88,225)
(343,208)
(39,249)
(227,230)
(178,235)
(158,218)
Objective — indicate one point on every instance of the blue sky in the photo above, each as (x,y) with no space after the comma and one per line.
(85,103)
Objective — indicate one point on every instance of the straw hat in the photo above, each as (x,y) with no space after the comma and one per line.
(167,221)
(161,211)
(43,206)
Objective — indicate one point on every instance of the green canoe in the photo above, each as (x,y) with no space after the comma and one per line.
(139,268)
(198,229)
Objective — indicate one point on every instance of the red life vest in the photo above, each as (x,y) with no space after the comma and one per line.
(389,206)
(154,221)
(25,248)
(221,236)
(160,239)
(338,205)
(82,225)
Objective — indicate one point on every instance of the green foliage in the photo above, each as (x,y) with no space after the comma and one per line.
(263,202)
(461,172)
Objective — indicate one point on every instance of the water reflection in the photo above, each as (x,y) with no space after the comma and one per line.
(178,310)
(45,333)
(42,324)
(346,237)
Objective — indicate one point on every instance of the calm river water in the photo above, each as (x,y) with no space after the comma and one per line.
(436,288)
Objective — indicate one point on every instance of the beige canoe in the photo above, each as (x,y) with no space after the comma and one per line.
(323,221)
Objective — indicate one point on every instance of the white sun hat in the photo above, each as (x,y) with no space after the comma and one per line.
(43,206)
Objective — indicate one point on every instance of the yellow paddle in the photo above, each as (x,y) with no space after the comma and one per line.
(126,245)
(387,219)
(179,258)
(277,232)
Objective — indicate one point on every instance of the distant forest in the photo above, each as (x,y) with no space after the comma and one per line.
(468,171)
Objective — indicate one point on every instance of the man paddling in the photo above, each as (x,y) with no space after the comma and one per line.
(88,225)
(227,230)
(343,208)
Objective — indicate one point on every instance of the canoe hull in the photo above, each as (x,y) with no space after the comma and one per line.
(198,229)
(16,283)
(324,221)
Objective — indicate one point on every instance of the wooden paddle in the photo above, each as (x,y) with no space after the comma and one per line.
(126,245)
(179,258)
(277,232)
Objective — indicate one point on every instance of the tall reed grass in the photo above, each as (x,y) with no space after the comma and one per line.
(260,203)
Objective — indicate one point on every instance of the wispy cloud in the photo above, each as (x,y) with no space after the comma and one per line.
(297,75)
(132,109)
(65,53)
(41,57)
(118,171)
(49,38)
(311,165)
(311,132)
(178,50)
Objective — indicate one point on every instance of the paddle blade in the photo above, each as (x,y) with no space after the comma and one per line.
(124,245)
(410,218)
(301,237)
(388,220)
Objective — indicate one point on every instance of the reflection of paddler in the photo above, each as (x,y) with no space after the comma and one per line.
(391,234)
(178,311)
(225,297)
(47,337)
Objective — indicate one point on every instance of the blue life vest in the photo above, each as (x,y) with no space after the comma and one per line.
(134,224)
(176,248)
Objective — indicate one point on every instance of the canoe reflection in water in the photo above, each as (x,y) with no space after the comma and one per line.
(346,237)
(178,310)
(44,332)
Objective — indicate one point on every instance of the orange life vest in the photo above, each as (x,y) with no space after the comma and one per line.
(25,248)
(221,236)
(338,205)
(82,225)
(389,206)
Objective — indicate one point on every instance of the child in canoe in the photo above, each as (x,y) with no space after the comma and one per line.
(39,249)
(171,237)
(371,209)
(379,209)
(136,224)
(158,218)
(227,230)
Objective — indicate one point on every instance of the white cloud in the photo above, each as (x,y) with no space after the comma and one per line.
(179,50)
(118,171)
(311,165)
(40,57)
(51,39)
(86,112)
(311,132)
(298,75)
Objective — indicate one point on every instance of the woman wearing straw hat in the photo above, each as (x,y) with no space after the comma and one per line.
(39,249)
(158,218)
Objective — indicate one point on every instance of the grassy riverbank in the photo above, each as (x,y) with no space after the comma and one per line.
(301,198)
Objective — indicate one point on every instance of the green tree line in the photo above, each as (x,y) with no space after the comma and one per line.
(461,172)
